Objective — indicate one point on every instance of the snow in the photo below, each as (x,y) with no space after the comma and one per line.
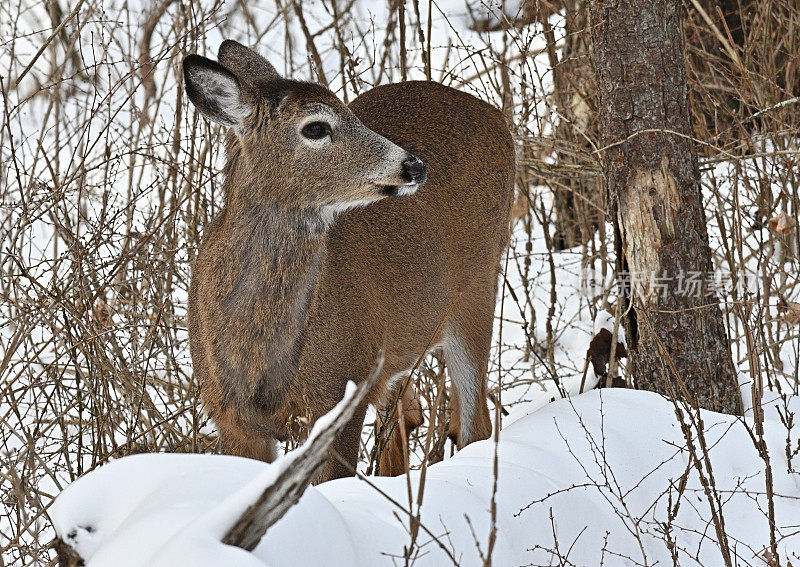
(589,478)
(171,498)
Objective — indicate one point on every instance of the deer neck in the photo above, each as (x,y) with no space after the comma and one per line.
(280,253)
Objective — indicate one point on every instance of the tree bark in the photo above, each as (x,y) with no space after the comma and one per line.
(676,338)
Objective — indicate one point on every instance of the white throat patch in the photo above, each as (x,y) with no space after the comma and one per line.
(329,213)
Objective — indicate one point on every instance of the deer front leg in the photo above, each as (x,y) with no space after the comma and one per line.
(344,451)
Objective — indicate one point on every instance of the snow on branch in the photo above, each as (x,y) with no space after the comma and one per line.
(298,469)
(243,517)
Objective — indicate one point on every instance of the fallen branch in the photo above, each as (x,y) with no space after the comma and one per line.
(298,468)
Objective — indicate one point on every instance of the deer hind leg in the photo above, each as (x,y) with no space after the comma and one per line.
(394,442)
(466,353)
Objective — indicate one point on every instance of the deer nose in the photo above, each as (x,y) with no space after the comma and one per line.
(415,170)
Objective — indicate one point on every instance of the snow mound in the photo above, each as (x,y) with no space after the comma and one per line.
(586,481)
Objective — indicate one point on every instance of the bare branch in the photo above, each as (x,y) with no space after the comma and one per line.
(300,468)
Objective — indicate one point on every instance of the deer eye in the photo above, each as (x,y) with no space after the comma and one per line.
(316,130)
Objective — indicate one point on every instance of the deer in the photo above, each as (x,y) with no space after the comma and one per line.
(348,233)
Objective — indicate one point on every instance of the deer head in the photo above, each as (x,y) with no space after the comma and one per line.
(296,143)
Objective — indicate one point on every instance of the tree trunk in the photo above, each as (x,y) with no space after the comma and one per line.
(676,338)
(578,200)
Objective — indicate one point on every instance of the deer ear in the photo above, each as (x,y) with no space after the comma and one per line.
(215,91)
(245,63)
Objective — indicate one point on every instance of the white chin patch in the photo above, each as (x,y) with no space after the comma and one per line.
(407,189)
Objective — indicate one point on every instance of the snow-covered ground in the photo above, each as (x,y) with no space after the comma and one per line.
(604,478)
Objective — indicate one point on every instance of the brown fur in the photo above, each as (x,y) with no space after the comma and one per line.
(393,441)
(282,312)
